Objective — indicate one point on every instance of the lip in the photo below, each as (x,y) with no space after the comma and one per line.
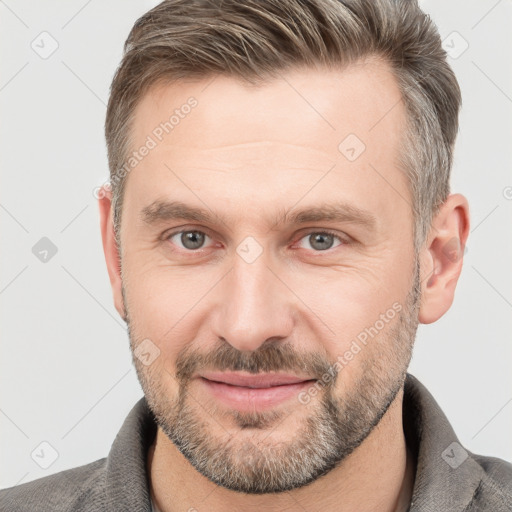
(253,392)
(265,380)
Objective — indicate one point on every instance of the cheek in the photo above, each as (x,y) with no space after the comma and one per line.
(154,285)
(164,303)
(351,306)
(335,305)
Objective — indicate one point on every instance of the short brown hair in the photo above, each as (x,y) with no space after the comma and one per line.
(254,40)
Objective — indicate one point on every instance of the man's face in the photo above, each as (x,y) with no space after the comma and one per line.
(301,265)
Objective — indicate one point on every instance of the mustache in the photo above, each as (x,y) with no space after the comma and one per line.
(270,357)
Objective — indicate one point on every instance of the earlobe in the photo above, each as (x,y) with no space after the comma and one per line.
(442,258)
(110,249)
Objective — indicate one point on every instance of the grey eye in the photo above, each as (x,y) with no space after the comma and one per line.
(191,239)
(320,241)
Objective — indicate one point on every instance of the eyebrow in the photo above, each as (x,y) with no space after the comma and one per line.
(164,211)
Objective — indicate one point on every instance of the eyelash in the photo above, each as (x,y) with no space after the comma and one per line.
(324,232)
(342,241)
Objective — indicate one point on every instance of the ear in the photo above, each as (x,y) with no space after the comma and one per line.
(110,247)
(442,257)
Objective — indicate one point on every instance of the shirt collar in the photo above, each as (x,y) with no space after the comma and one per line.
(447,476)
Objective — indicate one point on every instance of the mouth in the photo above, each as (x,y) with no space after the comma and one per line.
(266,380)
(253,392)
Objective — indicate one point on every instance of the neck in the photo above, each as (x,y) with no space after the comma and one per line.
(377,476)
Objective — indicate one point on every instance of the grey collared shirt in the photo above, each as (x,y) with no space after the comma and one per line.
(448,477)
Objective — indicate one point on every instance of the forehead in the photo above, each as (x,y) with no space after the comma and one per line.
(362,97)
(236,143)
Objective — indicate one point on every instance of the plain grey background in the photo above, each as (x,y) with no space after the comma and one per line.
(66,374)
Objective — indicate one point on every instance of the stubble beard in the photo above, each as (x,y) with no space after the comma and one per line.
(249,460)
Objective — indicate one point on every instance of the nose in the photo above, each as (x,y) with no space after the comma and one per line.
(255,305)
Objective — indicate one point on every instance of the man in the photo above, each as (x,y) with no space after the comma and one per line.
(278,223)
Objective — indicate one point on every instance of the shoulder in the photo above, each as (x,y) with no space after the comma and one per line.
(494,491)
(76,489)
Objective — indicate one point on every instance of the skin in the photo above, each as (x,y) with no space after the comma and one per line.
(280,155)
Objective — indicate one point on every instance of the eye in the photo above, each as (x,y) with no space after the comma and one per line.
(190,240)
(320,240)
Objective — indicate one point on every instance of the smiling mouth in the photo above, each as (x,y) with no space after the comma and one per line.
(256,386)
(265,380)
(253,392)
